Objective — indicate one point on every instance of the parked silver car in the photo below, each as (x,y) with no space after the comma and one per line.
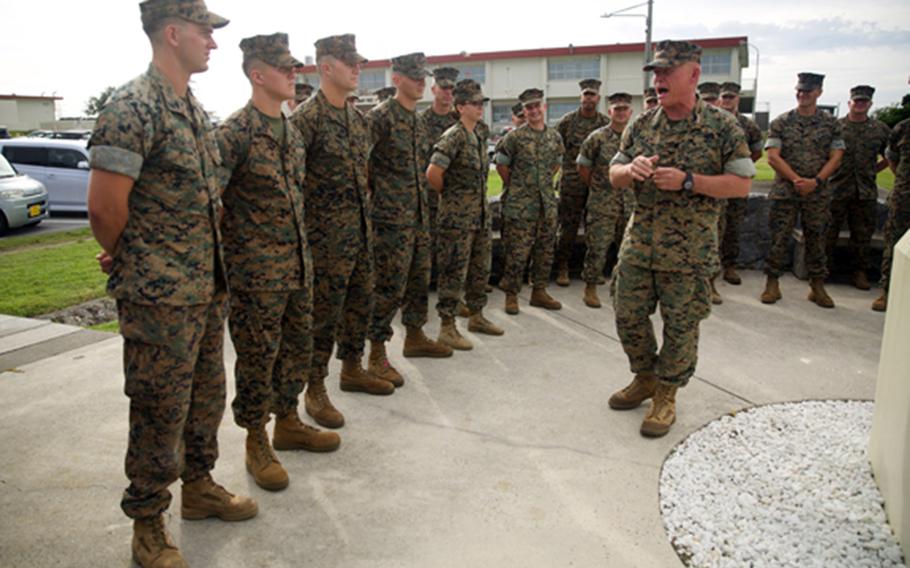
(23,200)
(61,165)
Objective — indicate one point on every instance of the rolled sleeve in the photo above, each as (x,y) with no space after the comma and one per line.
(503,159)
(582,160)
(620,159)
(773,143)
(742,167)
(756,146)
(838,144)
(440,160)
(115,160)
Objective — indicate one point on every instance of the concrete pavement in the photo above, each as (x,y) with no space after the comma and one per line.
(503,456)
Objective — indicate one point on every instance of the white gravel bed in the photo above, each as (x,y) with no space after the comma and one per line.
(779,485)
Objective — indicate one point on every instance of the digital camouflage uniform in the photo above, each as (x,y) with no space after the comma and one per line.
(854,193)
(670,248)
(168,280)
(269,265)
(573,193)
(805,143)
(735,208)
(338,227)
(400,217)
(605,204)
(898,222)
(529,204)
(436,125)
(464,240)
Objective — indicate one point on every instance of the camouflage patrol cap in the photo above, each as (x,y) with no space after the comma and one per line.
(730,88)
(809,81)
(529,96)
(445,76)
(271,49)
(342,47)
(709,90)
(670,53)
(862,92)
(590,85)
(650,94)
(153,11)
(412,66)
(384,93)
(302,91)
(468,91)
(620,98)
(518,110)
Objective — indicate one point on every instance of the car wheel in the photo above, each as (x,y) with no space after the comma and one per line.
(4,225)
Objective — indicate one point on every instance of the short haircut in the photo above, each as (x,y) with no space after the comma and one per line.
(152,29)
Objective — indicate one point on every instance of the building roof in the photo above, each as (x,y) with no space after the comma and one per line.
(571,50)
(15,97)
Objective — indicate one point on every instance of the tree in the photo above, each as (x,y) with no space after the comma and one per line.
(892,114)
(95,104)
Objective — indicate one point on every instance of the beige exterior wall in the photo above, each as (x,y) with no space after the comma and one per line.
(889,448)
(25,114)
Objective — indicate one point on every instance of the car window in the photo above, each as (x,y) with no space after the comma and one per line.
(26,155)
(6,169)
(64,158)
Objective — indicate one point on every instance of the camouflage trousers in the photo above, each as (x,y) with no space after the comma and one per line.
(859,214)
(896,227)
(433,209)
(272,334)
(728,225)
(602,223)
(402,266)
(525,239)
(342,301)
(813,213)
(685,300)
(571,213)
(464,259)
(173,363)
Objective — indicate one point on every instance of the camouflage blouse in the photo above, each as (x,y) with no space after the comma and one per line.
(533,158)
(805,143)
(574,128)
(855,177)
(463,200)
(596,153)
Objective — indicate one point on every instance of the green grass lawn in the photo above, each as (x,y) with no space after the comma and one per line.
(49,272)
(111,326)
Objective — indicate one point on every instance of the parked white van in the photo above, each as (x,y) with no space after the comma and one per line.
(61,165)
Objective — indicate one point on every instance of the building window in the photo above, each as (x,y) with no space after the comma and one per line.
(715,64)
(573,69)
(502,114)
(558,109)
(476,72)
(372,80)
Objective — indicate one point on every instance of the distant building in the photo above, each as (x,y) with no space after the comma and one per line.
(20,112)
(505,74)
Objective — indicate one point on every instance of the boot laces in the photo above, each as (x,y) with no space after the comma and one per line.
(159,533)
(300,424)
(266,453)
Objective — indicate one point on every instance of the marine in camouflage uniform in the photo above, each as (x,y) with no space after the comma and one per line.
(400,218)
(898,222)
(605,206)
(528,158)
(151,143)
(269,266)
(384,94)
(678,165)
(339,229)
(853,188)
(735,209)
(573,192)
(458,169)
(650,98)
(804,146)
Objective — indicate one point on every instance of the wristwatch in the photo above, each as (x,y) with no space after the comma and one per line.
(689,182)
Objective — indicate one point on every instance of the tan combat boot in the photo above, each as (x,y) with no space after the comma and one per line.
(881,303)
(715,295)
(772,291)
(662,414)
(449,335)
(639,390)
(861,281)
(563,278)
(731,277)
(317,404)
(292,434)
(153,546)
(590,298)
(354,378)
(463,310)
(541,299)
(479,324)
(203,498)
(417,344)
(818,294)
(262,463)
(380,367)
(511,303)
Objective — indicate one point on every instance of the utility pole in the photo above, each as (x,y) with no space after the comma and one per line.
(646,76)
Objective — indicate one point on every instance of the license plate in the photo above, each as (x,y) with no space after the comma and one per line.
(34,211)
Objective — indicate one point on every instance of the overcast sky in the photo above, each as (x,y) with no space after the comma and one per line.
(76,49)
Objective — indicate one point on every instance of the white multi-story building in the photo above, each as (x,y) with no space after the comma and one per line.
(505,74)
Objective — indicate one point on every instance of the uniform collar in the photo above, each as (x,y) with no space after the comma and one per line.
(696,117)
(181,105)
(258,123)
